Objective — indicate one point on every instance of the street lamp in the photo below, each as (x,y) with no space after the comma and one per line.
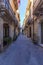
(17,11)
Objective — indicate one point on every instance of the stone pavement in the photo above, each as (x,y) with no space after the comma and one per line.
(22,52)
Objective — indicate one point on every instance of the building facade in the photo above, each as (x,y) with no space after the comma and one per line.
(38,21)
(28,28)
(8,21)
(35,21)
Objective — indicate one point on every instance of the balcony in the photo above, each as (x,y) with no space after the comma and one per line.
(36,3)
(6,11)
(38,9)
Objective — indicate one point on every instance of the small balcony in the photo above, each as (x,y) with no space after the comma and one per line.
(4,6)
(36,3)
(6,11)
(38,9)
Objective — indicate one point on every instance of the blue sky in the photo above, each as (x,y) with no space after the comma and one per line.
(23,4)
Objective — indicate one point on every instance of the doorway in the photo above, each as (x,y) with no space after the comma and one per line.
(42,32)
(30,32)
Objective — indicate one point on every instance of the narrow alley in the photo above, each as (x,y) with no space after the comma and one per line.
(21,32)
(22,52)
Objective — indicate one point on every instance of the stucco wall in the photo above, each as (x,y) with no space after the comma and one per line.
(11,31)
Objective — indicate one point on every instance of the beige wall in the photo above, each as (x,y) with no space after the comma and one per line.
(11,31)
(16,31)
(32,31)
(28,31)
(37,30)
(12,5)
(35,27)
